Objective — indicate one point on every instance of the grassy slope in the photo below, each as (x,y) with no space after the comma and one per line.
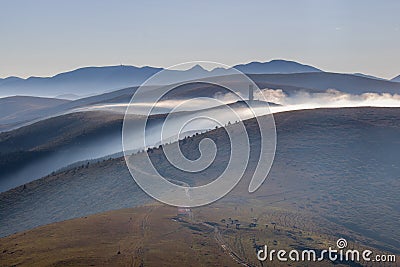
(153,234)
(145,235)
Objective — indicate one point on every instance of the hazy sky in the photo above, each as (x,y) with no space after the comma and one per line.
(42,38)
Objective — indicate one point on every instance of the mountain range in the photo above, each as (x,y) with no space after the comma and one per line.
(90,81)
(20,110)
(35,98)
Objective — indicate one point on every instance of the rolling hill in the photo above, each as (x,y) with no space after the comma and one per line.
(312,82)
(339,165)
(24,108)
(133,237)
(123,96)
(29,152)
(35,150)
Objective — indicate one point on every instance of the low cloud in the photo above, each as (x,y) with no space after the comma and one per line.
(301,100)
(329,99)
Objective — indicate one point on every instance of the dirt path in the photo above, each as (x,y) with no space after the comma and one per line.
(227,249)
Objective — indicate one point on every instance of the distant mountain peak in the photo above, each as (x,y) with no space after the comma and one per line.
(197,67)
(276,66)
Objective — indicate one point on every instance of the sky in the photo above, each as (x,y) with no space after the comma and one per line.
(46,37)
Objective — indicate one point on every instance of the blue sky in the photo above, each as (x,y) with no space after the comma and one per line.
(42,38)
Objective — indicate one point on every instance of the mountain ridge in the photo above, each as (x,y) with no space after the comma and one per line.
(91,81)
(396,79)
(197,66)
(87,81)
(275,66)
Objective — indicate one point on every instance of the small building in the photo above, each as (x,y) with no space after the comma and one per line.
(184,212)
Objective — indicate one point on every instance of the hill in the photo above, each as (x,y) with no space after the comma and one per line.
(50,107)
(24,108)
(123,96)
(32,151)
(291,83)
(153,234)
(38,149)
(324,157)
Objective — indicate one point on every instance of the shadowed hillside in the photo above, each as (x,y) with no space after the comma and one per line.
(24,108)
(348,83)
(54,143)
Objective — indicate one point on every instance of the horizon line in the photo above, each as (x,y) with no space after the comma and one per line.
(163,68)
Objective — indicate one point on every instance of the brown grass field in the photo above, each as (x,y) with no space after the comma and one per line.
(144,236)
(154,235)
